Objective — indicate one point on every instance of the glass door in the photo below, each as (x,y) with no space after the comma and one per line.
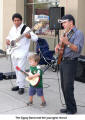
(36,10)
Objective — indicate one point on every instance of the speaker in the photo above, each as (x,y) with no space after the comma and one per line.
(55,13)
(9,75)
(80,73)
(1,76)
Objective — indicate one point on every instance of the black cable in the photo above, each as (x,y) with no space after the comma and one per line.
(48,85)
(60,93)
(59,87)
(11,71)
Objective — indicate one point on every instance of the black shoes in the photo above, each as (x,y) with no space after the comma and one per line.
(43,104)
(67,112)
(30,103)
(20,90)
(16,88)
(63,111)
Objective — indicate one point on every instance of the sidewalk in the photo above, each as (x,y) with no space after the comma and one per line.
(13,103)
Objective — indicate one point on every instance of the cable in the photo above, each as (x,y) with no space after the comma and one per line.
(48,85)
(59,88)
(61,96)
(11,72)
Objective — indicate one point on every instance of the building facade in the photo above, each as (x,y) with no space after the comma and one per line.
(9,7)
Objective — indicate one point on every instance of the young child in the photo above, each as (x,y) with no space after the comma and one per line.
(37,72)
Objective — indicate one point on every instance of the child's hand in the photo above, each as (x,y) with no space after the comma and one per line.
(30,77)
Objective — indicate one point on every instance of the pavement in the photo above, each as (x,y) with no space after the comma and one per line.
(12,103)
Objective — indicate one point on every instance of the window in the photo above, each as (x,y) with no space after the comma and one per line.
(40,7)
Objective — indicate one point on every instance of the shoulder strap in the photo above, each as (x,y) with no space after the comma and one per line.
(23,29)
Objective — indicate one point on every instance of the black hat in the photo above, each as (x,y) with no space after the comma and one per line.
(67,17)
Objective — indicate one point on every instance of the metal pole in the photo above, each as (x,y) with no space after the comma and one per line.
(33,17)
(43,2)
(25,11)
(33,14)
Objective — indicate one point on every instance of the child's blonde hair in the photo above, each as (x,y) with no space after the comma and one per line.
(35,57)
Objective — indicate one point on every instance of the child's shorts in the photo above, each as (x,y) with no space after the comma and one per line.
(33,91)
